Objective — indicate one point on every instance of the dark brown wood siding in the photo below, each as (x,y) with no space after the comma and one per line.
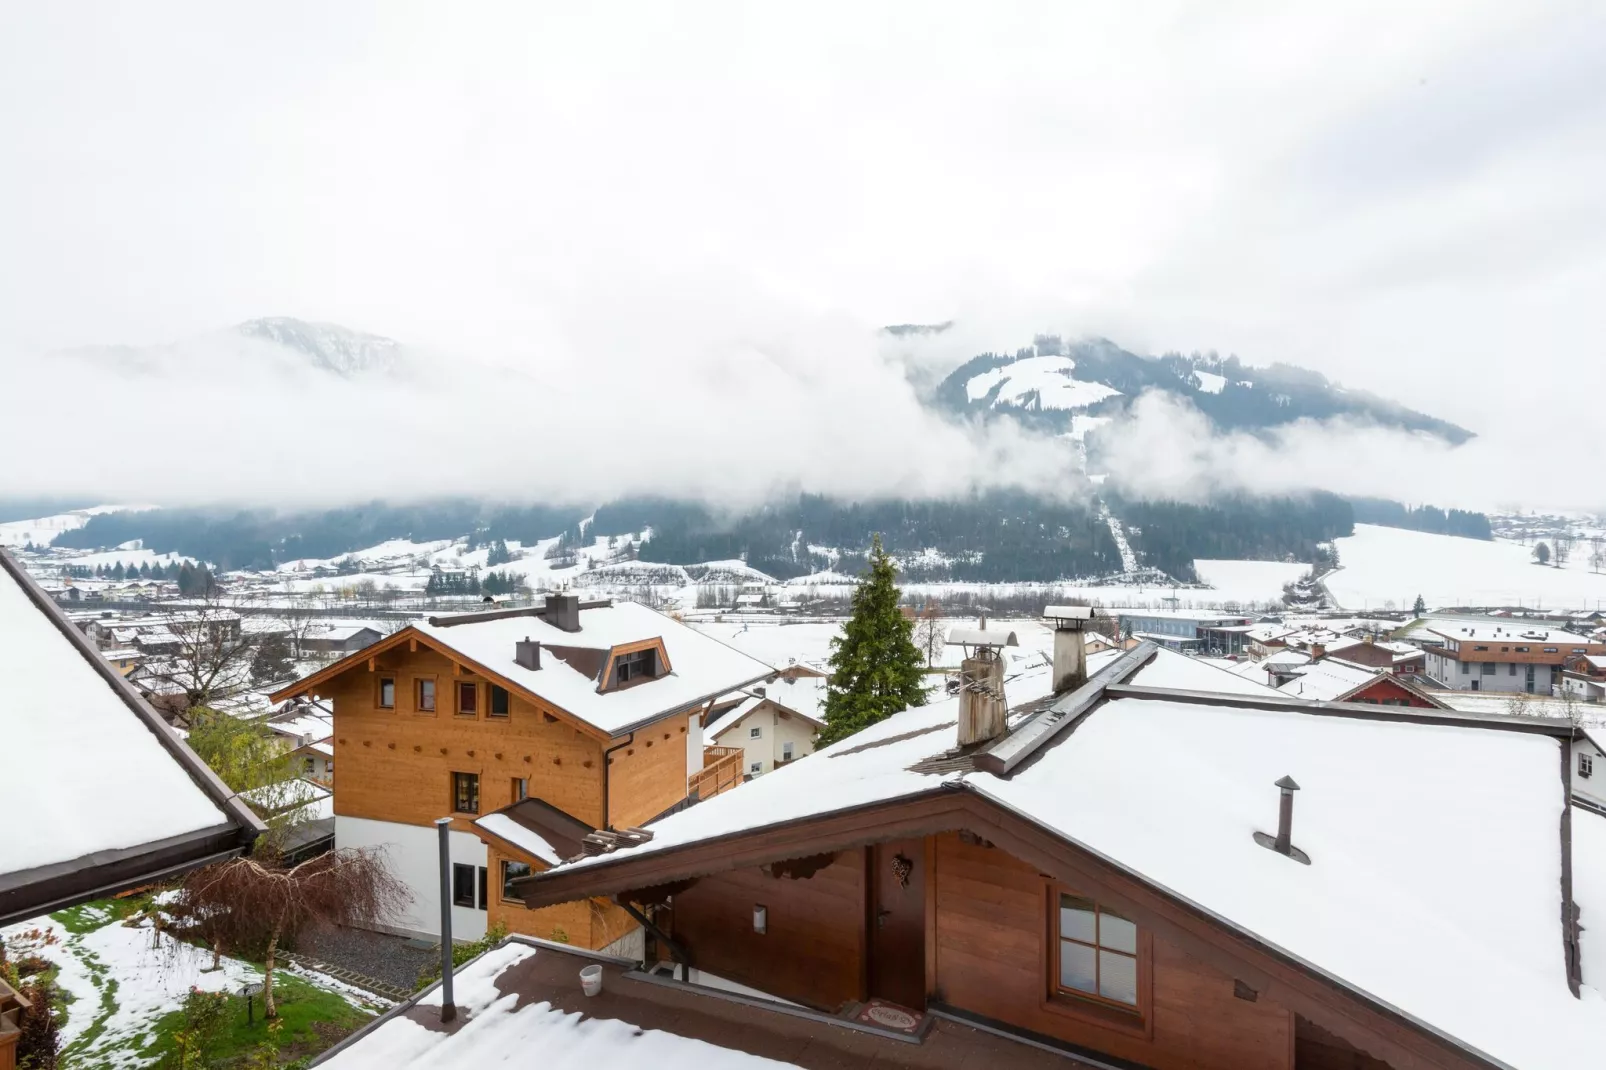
(991,947)
(813,950)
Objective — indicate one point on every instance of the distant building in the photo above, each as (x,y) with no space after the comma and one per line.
(1502,655)
(340,640)
(1583,676)
(1190,631)
(1331,680)
(770,732)
(1401,659)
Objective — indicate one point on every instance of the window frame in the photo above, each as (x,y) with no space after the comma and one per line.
(755,731)
(1586,765)
(458,690)
(418,695)
(1135,1019)
(519,788)
(379,693)
(476,792)
(492,691)
(502,893)
(458,873)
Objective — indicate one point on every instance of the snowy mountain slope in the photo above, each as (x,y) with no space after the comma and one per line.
(1058,386)
(273,346)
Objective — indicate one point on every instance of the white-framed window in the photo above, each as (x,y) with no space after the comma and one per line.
(756,767)
(1586,765)
(755,732)
(786,751)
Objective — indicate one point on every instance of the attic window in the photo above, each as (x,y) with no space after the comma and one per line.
(1097,954)
(634,666)
(1586,765)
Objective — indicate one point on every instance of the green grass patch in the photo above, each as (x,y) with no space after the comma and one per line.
(310,1020)
(90,916)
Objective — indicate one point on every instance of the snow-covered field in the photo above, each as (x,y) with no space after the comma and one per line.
(1381,565)
(1249,581)
(1046,378)
(123,978)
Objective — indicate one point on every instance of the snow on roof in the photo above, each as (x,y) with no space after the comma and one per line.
(1401,821)
(506,1030)
(1178,671)
(748,704)
(1265,633)
(1413,831)
(1285,658)
(525,839)
(1504,631)
(804,695)
(1326,680)
(60,714)
(701,666)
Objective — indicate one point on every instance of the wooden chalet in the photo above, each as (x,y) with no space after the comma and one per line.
(590,709)
(1117,879)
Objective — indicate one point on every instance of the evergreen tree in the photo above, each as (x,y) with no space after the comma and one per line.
(117,571)
(1419,607)
(875,666)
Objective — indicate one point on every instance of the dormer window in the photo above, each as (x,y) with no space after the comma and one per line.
(633,666)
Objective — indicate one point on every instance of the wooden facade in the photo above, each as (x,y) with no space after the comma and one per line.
(398,763)
(966,927)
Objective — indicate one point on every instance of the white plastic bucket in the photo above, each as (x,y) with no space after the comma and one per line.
(591,980)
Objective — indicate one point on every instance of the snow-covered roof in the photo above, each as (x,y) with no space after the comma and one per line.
(776,694)
(64,710)
(701,666)
(525,839)
(1327,680)
(1399,818)
(1502,631)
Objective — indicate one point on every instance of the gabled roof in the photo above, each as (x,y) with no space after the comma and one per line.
(99,794)
(568,679)
(750,702)
(1401,812)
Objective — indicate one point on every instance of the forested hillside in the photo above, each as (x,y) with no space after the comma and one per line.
(1172,535)
(1421,518)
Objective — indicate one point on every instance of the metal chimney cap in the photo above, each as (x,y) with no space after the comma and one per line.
(1288,783)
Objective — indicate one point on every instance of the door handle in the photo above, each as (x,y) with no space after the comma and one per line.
(881,918)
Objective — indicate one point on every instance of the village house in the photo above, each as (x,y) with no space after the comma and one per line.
(124,661)
(1583,676)
(1272,907)
(339,640)
(1502,655)
(1401,659)
(1589,768)
(769,732)
(531,729)
(1333,680)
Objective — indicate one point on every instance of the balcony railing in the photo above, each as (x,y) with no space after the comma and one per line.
(721,771)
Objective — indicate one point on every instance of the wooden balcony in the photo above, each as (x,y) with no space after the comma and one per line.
(12,1004)
(721,771)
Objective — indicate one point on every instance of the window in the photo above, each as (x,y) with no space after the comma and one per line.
(512,871)
(1488,668)
(462,885)
(1480,648)
(756,768)
(466,793)
(306,767)
(1513,668)
(786,752)
(755,732)
(501,702)
(1522,650)
(1097,953)
(1466,667)
(521,788)
(468,699)
(1551,650)
(424,694)
(634,666)
(1586,765)
(387,693)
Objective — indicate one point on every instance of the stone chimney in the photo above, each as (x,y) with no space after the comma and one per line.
(1070,645)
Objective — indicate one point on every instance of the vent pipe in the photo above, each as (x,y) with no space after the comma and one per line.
(527,652)
(1283,842)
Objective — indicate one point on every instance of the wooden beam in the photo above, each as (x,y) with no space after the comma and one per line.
(370,664)
(412,645)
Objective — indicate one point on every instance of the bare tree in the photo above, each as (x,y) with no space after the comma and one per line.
(1597,553)
(929,634)
(298,622)
(212,652)
(245,901)
(1562,549)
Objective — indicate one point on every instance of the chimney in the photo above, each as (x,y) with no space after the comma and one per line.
(759,691)
(983,713)
(563,611)
(1283,842)
(527,652)
(1318,651)
(1070,647)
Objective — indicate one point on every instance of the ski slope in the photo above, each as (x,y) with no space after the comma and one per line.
(1380,565)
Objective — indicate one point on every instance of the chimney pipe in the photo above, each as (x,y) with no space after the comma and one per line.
(1070,659)
(527,652)
(448,1008)
(983,712)
(1285,816)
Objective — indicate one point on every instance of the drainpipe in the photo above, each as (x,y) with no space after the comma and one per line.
(607,775)
(448,1009)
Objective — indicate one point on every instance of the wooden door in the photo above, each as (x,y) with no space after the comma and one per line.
(897,921)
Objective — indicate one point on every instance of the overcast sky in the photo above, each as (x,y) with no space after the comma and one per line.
(1407,197)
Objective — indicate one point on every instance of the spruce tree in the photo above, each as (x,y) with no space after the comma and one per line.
(1420,607)
(875,666)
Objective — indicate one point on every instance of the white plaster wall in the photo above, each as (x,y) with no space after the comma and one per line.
(413,855)
(694,745)
(1593,787)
